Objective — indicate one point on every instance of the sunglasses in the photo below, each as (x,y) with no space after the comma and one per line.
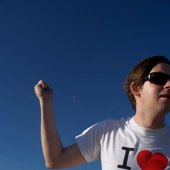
(157,78)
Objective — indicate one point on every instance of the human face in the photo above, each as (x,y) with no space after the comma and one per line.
(156,96)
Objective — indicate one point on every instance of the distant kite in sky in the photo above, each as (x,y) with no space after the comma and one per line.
(74,99)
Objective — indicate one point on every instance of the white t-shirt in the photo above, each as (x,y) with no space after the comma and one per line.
(123,144)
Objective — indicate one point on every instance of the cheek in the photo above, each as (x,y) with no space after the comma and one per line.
(150,92)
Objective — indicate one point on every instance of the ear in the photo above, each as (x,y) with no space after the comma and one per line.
(134,89)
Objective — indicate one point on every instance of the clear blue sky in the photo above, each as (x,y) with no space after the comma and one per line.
(82,48)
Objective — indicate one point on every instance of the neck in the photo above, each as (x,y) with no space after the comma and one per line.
(150,120)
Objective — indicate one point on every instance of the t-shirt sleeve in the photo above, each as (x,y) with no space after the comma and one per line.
(89,142)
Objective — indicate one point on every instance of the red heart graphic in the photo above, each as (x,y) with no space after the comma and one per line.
(149,161)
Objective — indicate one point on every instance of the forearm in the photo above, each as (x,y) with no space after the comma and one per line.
(51,143)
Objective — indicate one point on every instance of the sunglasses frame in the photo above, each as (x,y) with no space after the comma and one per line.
(157,78)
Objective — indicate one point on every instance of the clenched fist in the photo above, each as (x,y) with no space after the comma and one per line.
(43,91)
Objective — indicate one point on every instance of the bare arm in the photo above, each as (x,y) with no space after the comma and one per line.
(56,156)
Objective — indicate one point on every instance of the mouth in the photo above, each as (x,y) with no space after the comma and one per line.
(165,94)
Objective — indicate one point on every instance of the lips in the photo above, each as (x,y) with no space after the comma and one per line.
(167,96)
(165,93)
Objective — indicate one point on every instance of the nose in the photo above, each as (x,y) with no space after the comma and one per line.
(167,84)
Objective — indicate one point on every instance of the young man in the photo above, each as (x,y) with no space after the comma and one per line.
(141,142)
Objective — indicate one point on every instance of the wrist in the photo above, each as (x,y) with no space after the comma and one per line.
(46,102)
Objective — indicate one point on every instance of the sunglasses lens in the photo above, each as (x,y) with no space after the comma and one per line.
(158,78)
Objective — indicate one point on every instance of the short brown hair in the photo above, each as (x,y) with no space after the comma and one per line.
(138,73)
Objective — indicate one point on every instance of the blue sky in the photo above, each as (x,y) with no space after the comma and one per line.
(81,48)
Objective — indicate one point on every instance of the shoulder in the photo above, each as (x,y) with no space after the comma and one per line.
(106,126)
(110,124)
(115,122)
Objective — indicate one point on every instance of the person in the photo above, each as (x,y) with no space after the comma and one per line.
(138,142)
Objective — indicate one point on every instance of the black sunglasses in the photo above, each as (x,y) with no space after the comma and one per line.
(157,78)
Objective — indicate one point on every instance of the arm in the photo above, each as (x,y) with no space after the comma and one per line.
(56,156)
